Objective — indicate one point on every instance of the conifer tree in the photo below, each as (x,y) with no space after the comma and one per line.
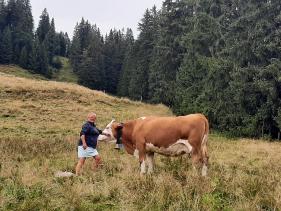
(19,19)
(23,59)
(128,64)
(51,41)
(142,51)
(6,47)
(44,26)
(3,13)
(114,53)
(167,55)
(91,72)
(43,61)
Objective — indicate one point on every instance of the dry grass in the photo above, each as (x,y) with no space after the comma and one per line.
(39,124)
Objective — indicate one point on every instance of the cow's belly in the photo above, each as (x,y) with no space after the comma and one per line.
(178,148)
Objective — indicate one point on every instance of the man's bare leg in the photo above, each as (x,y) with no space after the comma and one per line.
(79,165)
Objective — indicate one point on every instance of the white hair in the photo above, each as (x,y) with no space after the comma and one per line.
(92,114)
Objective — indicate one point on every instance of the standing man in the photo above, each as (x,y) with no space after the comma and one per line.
(88,142)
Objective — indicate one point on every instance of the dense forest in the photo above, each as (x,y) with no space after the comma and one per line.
(19,44)
(218,57)
(221,58)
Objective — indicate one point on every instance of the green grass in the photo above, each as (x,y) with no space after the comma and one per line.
(66,73)
(19,72)
(39,126)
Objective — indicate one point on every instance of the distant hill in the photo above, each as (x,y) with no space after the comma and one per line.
(19,72)
(65,73)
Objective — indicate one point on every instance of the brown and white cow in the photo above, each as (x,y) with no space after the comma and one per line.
(169,136)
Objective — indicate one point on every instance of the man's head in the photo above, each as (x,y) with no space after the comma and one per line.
(92,117)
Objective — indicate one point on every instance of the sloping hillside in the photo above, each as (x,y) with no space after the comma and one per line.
(19,72)
(39,126)
(54,108)
(64,74)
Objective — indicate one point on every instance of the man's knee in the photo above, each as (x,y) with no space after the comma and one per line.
(82,161)
(97,158)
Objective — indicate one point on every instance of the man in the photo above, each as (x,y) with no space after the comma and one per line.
(88,142)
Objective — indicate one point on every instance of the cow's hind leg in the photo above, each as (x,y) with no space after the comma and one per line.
(205,157)
(205,165)
(150,161)
(196,160)
(204,170)
(199,161)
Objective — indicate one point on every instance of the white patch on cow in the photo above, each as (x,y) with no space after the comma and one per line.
(143,167)
(178,148)
(103,138)
(143,118)
(108,131)
(149,158)
(204,170)
(136,153)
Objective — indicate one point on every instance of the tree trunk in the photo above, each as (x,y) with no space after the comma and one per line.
(262,129)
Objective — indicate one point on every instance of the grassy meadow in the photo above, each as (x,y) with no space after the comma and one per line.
(39,126)
(66,72)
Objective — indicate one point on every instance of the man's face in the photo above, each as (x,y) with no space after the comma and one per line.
(92,118)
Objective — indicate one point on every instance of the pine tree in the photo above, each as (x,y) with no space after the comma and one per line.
(6,47)
(82,37)
(23,59)
(63,42)
(44,26)
(114,53)
(19,19)
(142,51)
(43,61)
(75,53)
(91,73)
(128,64)
(51,41)
(167,55)
(32,57)
(3,13)
(67,43)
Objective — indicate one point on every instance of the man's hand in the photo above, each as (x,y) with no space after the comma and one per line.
(84,142)
(85,146)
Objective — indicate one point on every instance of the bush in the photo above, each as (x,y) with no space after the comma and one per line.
(56,63)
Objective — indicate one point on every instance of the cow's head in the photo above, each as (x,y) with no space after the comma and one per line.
(107,133)
(113,129)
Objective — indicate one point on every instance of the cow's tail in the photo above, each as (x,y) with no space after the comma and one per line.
(204,150)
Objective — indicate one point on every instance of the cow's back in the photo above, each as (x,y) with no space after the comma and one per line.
(163,131)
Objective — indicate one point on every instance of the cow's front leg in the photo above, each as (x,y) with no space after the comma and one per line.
(142,156)
(150,161)
(142,166)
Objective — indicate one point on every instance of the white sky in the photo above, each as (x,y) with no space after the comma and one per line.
(107,14)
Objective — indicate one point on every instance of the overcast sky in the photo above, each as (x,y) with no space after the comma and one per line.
(106,14)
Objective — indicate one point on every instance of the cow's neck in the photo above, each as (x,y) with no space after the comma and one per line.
(127,137)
